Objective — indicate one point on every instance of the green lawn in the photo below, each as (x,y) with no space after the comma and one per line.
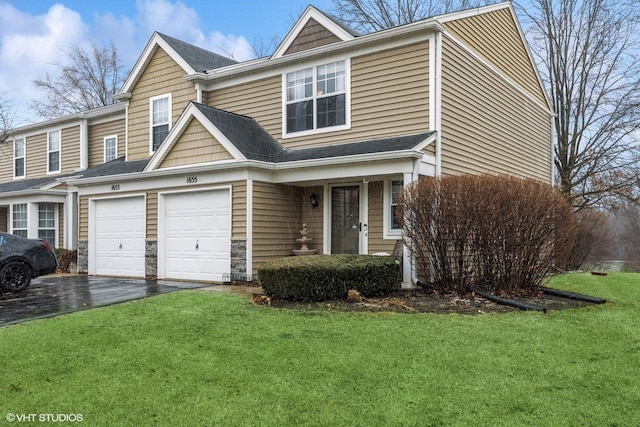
(208,359)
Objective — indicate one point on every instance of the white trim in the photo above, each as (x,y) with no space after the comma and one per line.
(174,133)
(156,41)
(473,12)
(59,151)
(249,221)
(387,232)
(84,144)
(104,147)
(151,124)
(24,158)
(310,13)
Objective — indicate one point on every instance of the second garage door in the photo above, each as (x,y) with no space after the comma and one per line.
(196,235)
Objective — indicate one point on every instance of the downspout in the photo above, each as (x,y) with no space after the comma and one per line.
(437,100)
(84,144)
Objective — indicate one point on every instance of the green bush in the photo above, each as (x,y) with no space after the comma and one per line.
(325,277)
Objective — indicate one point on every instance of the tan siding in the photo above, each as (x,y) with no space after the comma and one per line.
(496,37)
(239,210)
(277,221)
(195,145)
(161,76)
(36,151)
(376,220)
(152,215)
(311,35)
(6,161)
(83,218)
(313,217)
(389,97)
(70,143)
(98,132)
(487,125)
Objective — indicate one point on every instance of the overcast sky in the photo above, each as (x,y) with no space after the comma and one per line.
(34,32)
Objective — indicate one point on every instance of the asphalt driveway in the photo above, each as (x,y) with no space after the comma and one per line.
(57,294)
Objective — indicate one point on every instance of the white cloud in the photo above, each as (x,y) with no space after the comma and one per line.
(29,47)
(31,44)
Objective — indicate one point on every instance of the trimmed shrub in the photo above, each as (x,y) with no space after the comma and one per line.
(498,233)
(325,277)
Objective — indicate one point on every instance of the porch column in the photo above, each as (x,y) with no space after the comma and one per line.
(407,261)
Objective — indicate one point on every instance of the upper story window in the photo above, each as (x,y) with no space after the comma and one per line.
(160,119)
(316,99)
(53,150)
(18,158)
(110,148)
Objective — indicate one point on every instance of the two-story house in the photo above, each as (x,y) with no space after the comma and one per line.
(223,162)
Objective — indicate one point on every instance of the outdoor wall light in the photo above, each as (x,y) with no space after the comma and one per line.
(314,200)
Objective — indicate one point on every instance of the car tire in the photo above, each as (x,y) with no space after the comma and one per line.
(15,276)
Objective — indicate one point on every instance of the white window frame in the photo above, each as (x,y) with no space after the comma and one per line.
(115,147)
(162,123)
(387,217)
(50,151)
(21,228)
(23,157)
(314,97)
(52,227)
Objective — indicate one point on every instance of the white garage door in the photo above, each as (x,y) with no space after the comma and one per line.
(119,237)
(197,235)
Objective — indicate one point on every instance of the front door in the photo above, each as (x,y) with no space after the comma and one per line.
(345,220)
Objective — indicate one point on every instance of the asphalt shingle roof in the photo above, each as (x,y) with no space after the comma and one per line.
(199,59)
(114,167)
(26,184)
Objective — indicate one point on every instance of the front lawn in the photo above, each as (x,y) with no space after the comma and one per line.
(199,358)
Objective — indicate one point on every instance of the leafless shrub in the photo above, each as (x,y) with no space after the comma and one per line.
(501,234)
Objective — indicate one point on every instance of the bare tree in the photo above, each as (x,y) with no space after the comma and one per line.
(375,15)
(87,80)
(589,55)
(7,118)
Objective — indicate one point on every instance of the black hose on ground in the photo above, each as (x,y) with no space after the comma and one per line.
(571,295)
(509,302)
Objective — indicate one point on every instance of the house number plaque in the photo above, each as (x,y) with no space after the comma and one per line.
(115,187)
(192,179)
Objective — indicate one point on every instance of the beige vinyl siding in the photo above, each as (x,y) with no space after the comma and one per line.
(239,210)
(36,152)
(195,145)
(313,217)
(98,132)
(496,37)
(6,161)
(83,218)
(389,97)
(277,221)
(311,35)
(377,243)
(161,76)
(70,153)
(487,125)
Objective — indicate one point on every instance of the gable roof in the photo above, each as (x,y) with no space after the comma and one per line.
(330,24)
(190,58)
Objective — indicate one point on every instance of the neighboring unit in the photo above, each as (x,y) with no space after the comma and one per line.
(207,167)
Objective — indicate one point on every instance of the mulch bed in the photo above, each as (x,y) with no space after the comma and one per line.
(420,301)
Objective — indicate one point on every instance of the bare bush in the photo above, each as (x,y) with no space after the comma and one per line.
(501,234)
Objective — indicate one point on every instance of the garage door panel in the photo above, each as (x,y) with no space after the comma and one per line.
(197,235)
(119,237)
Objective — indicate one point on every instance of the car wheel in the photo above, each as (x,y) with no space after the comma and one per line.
(15,276)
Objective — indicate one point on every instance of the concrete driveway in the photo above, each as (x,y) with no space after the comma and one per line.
(56,294)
